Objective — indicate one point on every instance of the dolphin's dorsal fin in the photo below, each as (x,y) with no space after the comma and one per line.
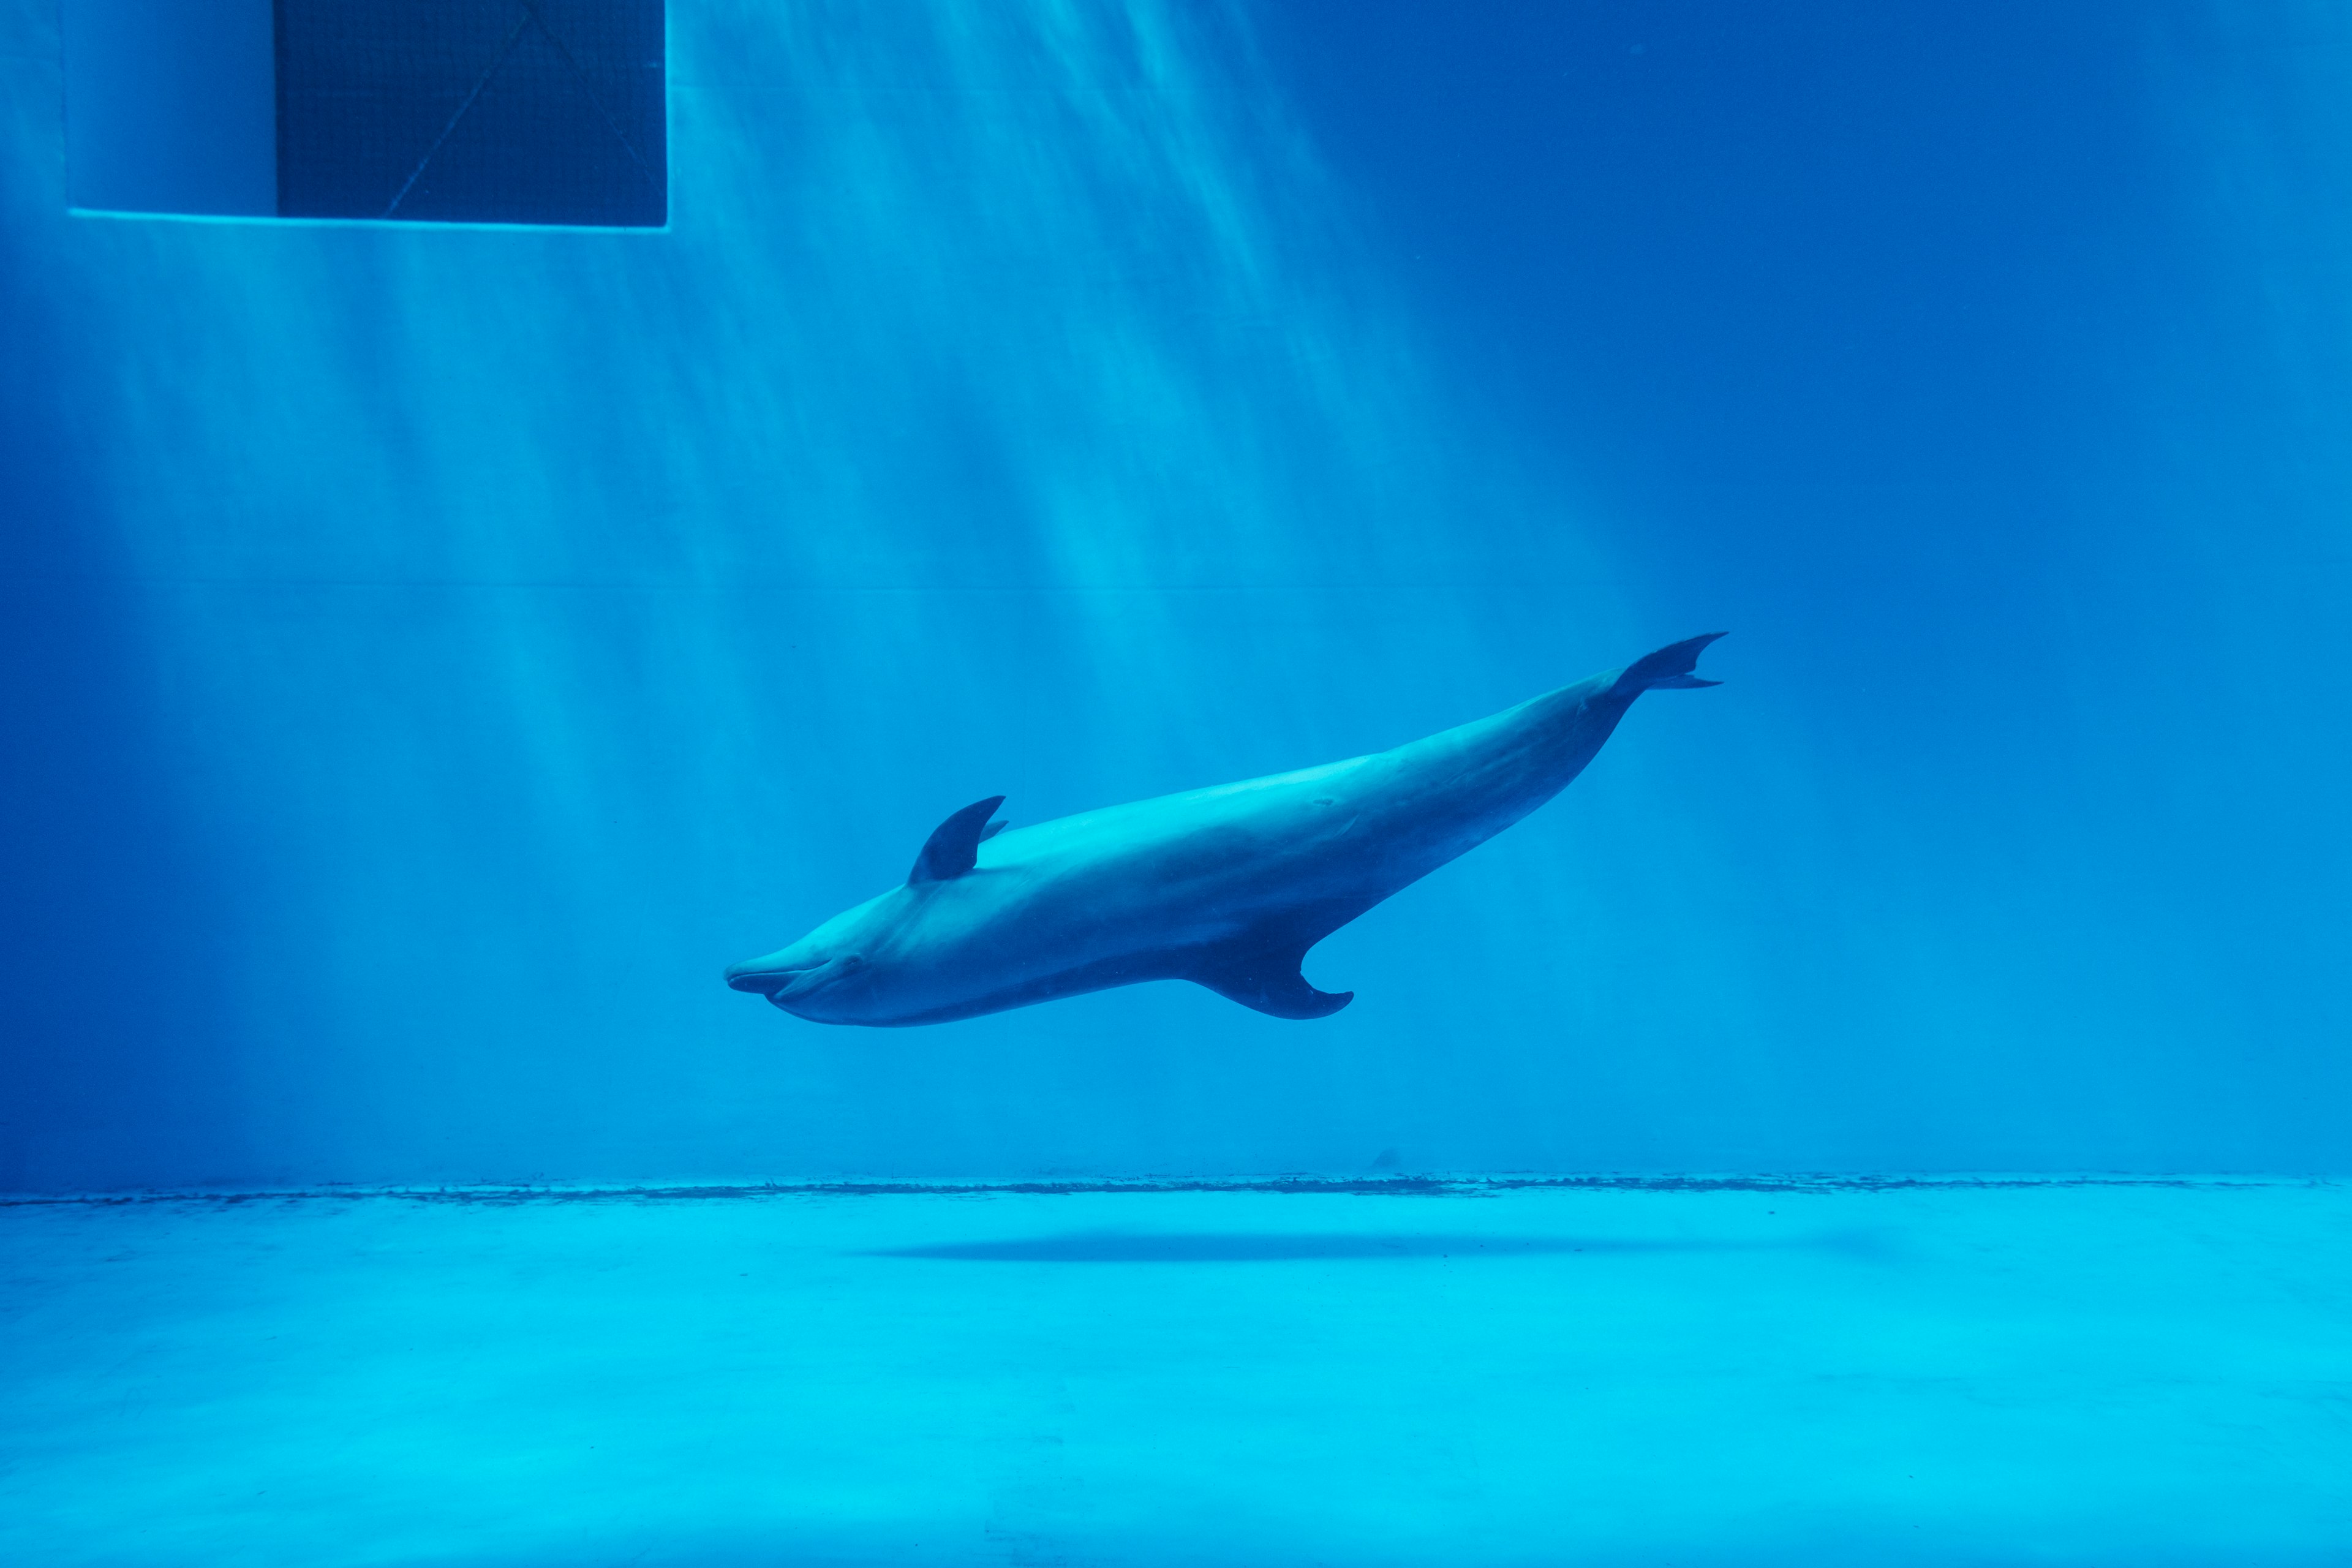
(1265,975)
(953,846)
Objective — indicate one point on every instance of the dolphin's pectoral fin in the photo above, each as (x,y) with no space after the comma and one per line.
(953,846)
(1265,977)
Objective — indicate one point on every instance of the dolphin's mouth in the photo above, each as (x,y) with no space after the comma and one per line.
(764,981)
(785,987)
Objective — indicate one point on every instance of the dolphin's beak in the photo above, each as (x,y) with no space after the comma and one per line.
(778,984)
(751,978)
(766,975)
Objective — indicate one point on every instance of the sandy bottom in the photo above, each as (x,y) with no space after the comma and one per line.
(1992,1374)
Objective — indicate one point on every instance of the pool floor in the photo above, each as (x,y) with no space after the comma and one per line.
(1817,1373)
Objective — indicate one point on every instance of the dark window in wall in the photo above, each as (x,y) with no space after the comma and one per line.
(472,111)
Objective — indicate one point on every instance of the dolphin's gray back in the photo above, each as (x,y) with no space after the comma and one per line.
(1230,886)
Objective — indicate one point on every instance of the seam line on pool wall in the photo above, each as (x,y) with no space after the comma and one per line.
(1395,1186)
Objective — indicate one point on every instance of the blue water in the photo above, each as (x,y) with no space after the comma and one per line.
(440,650)
(432,653)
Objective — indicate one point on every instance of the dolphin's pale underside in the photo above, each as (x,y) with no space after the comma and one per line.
(1225,887)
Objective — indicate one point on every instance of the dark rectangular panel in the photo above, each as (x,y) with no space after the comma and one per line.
(472,111)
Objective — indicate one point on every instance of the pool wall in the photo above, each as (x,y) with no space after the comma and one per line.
(433,652)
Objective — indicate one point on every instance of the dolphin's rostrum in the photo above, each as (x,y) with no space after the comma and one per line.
(1226,887)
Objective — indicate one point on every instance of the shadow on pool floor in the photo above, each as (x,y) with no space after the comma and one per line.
(1242,1247)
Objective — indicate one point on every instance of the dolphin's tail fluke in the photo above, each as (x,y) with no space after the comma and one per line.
(1669,667)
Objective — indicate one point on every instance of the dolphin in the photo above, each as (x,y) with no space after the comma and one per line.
(1225,887)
